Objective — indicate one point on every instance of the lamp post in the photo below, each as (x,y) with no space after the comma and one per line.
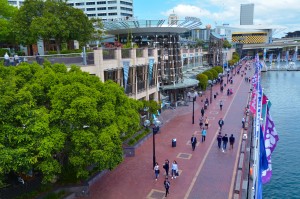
(227,70)
(194,95)
(155,129)
(211,84)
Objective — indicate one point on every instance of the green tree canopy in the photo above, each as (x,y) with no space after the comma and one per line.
(214,73)
(219,69)
(6,13)
(51,118)
(208,74)
(203,80)
(50,19)
(226,44)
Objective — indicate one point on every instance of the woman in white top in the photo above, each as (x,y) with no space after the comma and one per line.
(174,169)
(156,170)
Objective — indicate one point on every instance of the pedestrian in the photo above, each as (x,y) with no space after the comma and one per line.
(16,59)
(167,186)
(222,88)
(166,166)
(206,122)
(193,142)
(219,139)
(243,122)
(201,122)
(204,132)
(231,141)
(156,170)
(221,104)
(6,59)
(174,169)
(202,111)
(225,141)
(221,123)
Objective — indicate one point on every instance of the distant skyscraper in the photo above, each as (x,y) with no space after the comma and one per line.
(246,14)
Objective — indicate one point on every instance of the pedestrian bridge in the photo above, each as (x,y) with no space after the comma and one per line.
(274,45)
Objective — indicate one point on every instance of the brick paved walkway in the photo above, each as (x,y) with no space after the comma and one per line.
(206,172)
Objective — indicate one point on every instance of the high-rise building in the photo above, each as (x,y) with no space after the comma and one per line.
(247,14)
(106,10)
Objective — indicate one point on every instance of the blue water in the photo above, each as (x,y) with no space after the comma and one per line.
(283,89)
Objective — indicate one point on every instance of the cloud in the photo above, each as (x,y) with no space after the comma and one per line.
(275,12)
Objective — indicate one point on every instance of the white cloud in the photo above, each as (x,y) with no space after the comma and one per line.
(266,12)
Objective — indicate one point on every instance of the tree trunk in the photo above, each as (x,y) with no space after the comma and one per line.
(57,44)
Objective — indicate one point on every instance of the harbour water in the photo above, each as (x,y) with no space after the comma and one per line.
(283,89)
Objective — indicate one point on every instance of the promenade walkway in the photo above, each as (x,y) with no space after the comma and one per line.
(206,172)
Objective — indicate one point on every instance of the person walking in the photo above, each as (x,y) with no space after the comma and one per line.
(203,134)
(202,111)
(167,186)
(206,122)
(201,122)
(221,104)
(225,141)
(156,170)
(243,122)
(231,141)
(219,139)
(167,166)
(6,59)
(221,123)
(174,169)
(193,142)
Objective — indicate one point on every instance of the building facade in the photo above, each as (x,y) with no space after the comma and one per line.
(246,14)
(106,10)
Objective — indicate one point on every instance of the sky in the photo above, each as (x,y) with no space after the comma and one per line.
(281,13)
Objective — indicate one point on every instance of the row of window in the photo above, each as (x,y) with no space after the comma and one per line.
(90,3)
(109,14)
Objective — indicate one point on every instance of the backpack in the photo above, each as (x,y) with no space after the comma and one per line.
(167,184)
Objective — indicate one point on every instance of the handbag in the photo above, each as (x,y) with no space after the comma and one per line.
(176,174)
(158,171)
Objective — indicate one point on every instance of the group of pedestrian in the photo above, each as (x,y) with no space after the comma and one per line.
(174,173)
(224,139)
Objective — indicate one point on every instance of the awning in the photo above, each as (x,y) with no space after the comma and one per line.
(185,84)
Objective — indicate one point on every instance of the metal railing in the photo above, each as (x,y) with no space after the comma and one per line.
(108,53)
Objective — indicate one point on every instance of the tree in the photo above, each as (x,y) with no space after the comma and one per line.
(226,44)
(219,69)
(199,43)
(203,80)
(53,119)
(6,13)
(214,73)
(208,74)
(51,20)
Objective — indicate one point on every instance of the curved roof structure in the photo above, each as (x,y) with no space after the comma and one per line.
(121,26)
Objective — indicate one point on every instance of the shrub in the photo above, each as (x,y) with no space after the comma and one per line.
(219,69)
(3,51)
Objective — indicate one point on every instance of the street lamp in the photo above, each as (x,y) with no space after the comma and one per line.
(194,95)
(211,84)
(227,74)
(155,130)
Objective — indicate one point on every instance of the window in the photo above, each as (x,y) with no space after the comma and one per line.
(112,14)
(127,9)
(112,2)
(70,4)
(12,2)
(91,15)
(90,9)
(101,8)
(90,3)
(112,8)
(79,4)
(126,3)
(126,14)
(101,14)
(101,2)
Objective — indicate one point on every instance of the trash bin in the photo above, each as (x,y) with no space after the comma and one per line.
(174,142)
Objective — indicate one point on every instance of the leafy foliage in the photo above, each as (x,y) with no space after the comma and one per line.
(51,20)
(208,74)
(203,80)
(214,73)
(219,69)
(6,13)
(52,118)
(226,44)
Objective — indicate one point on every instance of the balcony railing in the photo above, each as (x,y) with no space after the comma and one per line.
(125,53)
(108,53)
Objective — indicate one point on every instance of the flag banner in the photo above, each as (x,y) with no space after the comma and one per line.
(265,54)
(150,68)
(253,103)
(271,138)
(278,58)
(125,72)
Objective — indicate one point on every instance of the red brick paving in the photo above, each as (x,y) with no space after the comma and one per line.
(134,178)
